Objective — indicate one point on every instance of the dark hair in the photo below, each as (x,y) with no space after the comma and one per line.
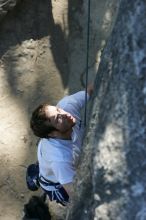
(40,123)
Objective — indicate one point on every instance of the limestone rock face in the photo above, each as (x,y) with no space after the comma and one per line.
(5,6)
(111,179)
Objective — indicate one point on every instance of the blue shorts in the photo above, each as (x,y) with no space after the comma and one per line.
(59,195)
(56,193)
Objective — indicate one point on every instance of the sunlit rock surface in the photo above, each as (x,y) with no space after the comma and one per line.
(111,179)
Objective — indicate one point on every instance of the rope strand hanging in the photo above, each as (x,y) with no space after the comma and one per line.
(87,61)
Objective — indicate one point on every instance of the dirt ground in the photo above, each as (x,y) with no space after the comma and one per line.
(42,58)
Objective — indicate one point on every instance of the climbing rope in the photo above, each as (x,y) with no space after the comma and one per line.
(87,62)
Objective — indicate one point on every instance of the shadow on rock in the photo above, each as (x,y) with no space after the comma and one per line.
(36,209)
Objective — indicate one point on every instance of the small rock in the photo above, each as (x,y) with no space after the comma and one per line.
(22,195)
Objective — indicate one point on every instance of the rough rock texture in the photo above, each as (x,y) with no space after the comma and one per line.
(111,180)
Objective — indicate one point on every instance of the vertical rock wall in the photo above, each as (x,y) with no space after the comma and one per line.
(111,179)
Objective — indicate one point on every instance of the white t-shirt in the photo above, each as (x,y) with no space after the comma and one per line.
(57,157)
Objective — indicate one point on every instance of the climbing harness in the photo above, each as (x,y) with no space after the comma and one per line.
(87,62)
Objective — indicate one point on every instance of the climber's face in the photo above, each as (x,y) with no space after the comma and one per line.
(59,119)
